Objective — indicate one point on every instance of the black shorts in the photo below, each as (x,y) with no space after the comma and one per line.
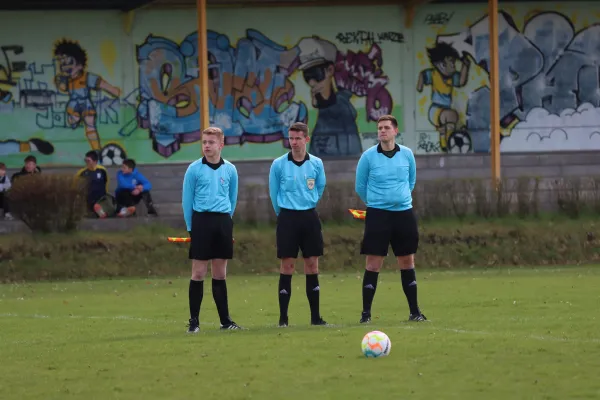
(384,228)
(299,230)
(212,236)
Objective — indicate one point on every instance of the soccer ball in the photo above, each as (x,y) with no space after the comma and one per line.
(376,344)
(112,154)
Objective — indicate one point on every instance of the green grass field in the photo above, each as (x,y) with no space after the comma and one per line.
(496,334)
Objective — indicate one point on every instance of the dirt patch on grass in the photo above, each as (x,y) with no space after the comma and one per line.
(145,252)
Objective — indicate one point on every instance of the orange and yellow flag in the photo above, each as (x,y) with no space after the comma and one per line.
(358,214)
(182,239)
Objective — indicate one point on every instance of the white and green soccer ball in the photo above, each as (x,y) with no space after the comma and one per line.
(376,344)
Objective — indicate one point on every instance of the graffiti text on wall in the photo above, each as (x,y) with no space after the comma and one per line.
(369,37)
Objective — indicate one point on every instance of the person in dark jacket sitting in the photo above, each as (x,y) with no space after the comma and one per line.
(4,188)
(97,183)
(132,187)
(29,168)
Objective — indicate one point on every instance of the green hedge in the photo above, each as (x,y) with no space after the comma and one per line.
(447,244)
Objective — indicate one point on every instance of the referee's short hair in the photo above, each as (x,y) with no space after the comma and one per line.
(213,130)
(390,118)
(299,127)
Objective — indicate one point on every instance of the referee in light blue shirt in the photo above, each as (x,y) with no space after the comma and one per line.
(296,184)
(385,178)
(209,197)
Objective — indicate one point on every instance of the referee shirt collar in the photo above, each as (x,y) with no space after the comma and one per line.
(211,165)
(380,149)
(298,163)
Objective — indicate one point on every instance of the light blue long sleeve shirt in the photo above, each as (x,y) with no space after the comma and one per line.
(386,183)
(209,188)
(294,185)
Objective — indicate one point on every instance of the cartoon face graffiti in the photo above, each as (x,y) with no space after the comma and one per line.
(71,58)
(317,62)
(443,57)
(319,79)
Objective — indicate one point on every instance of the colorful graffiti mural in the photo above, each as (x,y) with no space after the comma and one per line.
(136,95)
(62,98)
(549,82)
(251,95)
(44,104)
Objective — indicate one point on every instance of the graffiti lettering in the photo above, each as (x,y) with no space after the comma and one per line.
(569,73)
(427,145)
(35,90)
(250,93)
(10,67)
(9,71)
(250,88)
(439,18)
(361,74)
(369,37)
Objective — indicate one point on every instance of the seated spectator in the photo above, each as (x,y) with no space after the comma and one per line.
(4,187)
(97,186)
(132,187)
(29,168)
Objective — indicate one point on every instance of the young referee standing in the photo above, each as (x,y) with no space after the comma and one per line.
(210,190)
(296,184)
(385,179)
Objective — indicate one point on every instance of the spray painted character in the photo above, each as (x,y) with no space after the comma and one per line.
(442,78)
(74,80)
(335,132)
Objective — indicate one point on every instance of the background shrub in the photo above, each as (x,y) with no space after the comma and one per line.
(50,202)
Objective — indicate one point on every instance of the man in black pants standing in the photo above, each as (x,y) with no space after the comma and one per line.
(385,178)
(209,198)
(296,184)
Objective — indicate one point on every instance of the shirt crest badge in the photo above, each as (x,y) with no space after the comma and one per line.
(310,183)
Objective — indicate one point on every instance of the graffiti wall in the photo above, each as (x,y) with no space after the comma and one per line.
(88,81)
(85,82)
(549,78)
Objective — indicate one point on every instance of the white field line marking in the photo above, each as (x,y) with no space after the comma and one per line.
(422,325)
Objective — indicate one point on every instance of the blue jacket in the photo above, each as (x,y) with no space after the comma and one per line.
(130,181)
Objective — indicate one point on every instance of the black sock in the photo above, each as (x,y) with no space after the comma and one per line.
(369,288)
(219,289)
(312,293)
(285,293)
(409,285)
(196,292)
